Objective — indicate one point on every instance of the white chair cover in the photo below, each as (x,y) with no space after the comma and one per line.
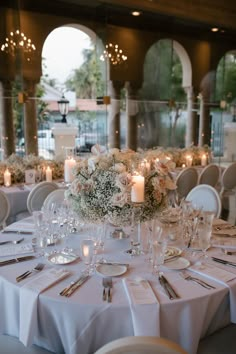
(206,197)
(38,194)
(56,196)
(4,208)
(141,345)
(209,175)
(186,180)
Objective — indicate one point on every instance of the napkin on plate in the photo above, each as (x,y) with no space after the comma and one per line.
(13,250)
(29,294)
(144,306)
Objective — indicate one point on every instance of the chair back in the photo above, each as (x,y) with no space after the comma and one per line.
(4,209)
(141,345)
(186,180)
(38,194)
(205,197)
(209,175)
(228,179)
(56,196)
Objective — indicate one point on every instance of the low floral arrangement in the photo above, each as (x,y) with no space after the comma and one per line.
(101,190)
(18,165)
(180,156)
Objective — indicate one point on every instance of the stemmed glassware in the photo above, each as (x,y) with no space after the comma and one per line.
(204,231)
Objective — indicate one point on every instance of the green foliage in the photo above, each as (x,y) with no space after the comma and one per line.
(226,78)
(87,80)
(163,73)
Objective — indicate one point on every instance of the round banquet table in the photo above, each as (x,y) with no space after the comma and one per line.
(84,322)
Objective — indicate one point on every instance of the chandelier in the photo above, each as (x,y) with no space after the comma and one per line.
(113,54)
(17,41)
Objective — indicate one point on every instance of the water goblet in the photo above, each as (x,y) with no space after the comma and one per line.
(159,246)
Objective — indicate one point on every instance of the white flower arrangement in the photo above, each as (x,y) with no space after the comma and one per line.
(102,187)
(18,165)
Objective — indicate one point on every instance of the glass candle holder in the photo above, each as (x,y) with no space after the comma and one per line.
(87,251)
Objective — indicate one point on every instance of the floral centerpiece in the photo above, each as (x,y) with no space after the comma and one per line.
(103,182)
(17,166)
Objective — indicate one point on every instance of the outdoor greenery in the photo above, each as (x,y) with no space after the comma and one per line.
(87,80)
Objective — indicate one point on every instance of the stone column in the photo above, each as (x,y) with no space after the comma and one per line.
(204,121)
(131,116)
(30,118)
(8,131)
(114,115)
(191,117)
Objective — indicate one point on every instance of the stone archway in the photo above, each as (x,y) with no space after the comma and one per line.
(80,37)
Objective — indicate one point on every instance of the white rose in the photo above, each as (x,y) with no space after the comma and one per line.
(92,161)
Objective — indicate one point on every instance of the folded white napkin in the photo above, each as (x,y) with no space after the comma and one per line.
(144,306)
(29,301)
(13,250)
(217,273)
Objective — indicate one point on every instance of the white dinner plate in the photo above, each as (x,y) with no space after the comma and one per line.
(109,270)
(62,258)
(172,251)
(178,263)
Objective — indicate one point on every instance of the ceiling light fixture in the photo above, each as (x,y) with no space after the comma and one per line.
(215,29)
(17,41)
(113,54)
(136,13)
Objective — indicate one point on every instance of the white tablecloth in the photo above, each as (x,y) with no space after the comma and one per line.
(84,322)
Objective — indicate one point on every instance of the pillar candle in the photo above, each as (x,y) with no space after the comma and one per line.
(48,174)
(204,160)
(7,178)
(189,161)
(68,167)
(137,190)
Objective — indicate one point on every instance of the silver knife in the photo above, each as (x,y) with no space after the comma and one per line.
(114,263)
(222,261)
(165,288)
(66,289)
(17,232)
(14,242)
(16,260)
(76,286)
(169,287)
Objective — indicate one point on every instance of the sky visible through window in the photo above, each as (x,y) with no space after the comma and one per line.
(62,52)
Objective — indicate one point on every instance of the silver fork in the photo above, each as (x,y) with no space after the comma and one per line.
(36,269)
(188,277)
(107,284)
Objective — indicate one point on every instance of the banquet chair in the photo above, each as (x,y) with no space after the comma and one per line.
(141,345)
(185,181)
(4,209)
(209,175)
(56,196)
(205,197)
(38,194)
(228,188)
